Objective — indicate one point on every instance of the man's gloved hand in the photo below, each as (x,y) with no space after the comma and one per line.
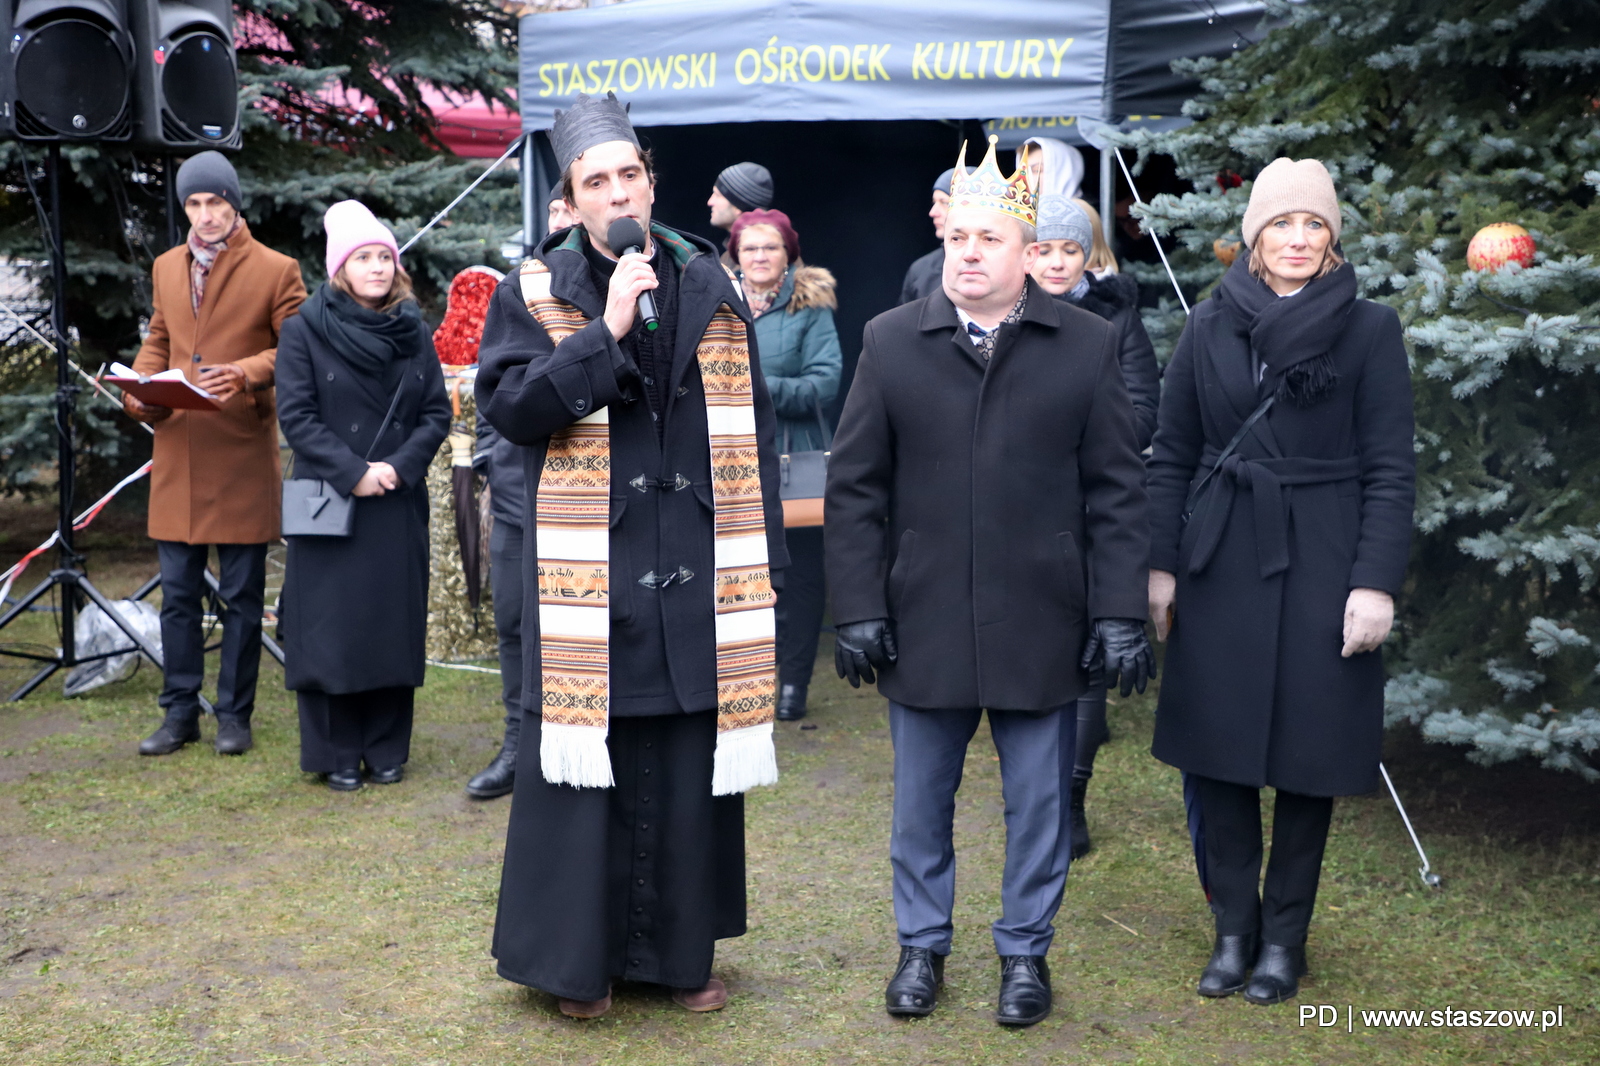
(1121,648)
(858,647)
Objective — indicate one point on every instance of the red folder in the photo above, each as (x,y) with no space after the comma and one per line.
(166,389)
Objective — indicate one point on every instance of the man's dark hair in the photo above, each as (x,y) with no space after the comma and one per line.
(645,156)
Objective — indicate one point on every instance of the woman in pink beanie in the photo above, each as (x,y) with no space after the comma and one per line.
(361,401)
(1281,488)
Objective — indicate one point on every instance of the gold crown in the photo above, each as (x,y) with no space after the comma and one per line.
(987,187)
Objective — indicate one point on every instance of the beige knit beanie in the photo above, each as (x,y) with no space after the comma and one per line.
(1288,185)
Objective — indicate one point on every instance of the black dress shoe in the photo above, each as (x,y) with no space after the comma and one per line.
(1229,967)
(173,734)
(344,780)
(791,703)
(233,736)
(497,779)
(914,988)
(1277,974)
(389,775)
(1081,844)
(1024,990)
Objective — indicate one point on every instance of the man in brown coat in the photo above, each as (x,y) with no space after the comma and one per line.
(219,299)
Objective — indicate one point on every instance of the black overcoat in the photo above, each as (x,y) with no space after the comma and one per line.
(355,609)
(1115,298)
(663,639)
(971,502)
(1318,502)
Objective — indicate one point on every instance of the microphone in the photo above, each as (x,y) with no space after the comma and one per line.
(626,236)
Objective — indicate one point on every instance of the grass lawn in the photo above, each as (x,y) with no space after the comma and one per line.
(195,909)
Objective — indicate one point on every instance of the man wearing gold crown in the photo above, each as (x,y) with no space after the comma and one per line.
(654,535)
(987,549)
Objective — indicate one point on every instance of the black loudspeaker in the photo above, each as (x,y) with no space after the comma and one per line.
(186,77)
(66,70)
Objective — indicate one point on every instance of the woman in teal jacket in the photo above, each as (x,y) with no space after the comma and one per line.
(793,306)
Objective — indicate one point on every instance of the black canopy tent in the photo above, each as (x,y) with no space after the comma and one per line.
(856,107)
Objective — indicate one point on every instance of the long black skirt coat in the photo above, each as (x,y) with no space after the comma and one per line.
(991,509)
(1317,502)
(355,609)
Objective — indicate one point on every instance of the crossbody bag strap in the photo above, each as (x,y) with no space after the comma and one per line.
(383,427)
(1238,438)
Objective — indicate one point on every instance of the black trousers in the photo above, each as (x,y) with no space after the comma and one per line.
(340,731)
(505,580)
(800,606)
(242,579)
(1281,912)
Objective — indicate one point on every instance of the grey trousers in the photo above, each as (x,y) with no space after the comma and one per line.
(1036,756)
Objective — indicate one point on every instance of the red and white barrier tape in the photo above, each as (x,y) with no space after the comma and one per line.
(9,577)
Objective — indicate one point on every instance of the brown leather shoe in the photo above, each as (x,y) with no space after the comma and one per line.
(585,1008)
(714,996)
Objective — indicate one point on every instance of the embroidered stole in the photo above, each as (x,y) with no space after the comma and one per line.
(572,521)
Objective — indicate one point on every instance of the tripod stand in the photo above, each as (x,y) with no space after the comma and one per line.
(68,575)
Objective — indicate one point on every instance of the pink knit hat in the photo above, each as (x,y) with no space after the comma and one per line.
(1288,185)
(350,225)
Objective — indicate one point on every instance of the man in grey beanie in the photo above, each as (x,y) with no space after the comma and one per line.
(740,188)
(926,275)
(218,301)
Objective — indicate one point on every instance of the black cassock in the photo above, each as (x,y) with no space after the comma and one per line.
(638,881)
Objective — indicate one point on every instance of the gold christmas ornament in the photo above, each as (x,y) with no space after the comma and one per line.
(1225,250)
(1500,243)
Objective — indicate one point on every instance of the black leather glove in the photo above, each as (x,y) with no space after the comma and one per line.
(1120,647)
(858,647)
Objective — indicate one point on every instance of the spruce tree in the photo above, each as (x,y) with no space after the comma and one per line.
(1436,118)
(304,148)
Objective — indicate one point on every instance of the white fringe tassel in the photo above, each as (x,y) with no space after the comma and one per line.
(745,758)
(575,755)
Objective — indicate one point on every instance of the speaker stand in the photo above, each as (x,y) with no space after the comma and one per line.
(68,575)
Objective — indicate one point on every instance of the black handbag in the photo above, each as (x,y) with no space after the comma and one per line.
(312,507)
(803,476)
(1194,495)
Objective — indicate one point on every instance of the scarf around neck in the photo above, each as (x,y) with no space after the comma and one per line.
(571,520)
(761,302)
(204,255)
(1291,338)
(370,341)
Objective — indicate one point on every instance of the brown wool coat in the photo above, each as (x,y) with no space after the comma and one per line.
(216,478)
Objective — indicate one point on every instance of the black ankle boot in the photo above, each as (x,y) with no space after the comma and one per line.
(233,735)
(1277,974)
(913,990)
(791,703)
(1229,967)
(180,728)
(498,778)
(1081,844)
(1025,996)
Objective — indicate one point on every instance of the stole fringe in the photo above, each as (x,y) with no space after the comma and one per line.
(744,759)
(575,755)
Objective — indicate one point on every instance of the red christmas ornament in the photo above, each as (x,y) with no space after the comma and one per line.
(457,338)
(1500,243)
(1227,179)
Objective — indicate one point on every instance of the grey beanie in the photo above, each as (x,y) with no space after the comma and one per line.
(748,186)
(943,183)
(1062,220)
(588,122)
(209,172)
(556,193)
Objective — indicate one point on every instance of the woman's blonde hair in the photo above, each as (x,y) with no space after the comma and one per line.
(1331,259)
(1101,257)
(400,289)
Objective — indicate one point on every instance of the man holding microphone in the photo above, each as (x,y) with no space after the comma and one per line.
(219,299)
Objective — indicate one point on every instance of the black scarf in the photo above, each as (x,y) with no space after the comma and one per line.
(1291,337)
(372,342)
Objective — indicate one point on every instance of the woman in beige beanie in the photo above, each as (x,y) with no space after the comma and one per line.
(1281,490)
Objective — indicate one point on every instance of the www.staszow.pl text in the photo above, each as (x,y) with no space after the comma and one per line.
(1328,1016)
